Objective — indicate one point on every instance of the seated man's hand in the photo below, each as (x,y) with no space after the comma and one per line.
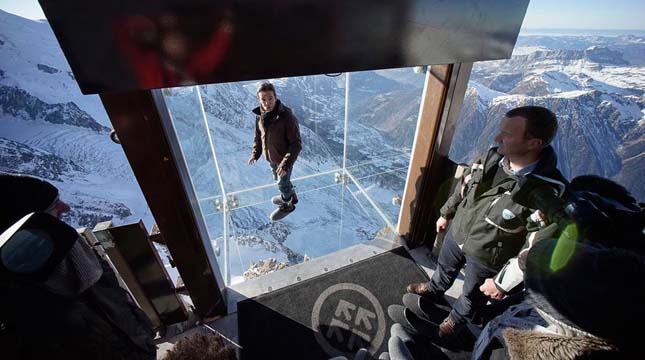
(281,172)
(252,161)
(442,224)
(489,289)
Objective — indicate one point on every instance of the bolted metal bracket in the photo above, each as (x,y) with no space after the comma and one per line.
(341,177)
(232,202)
(218,206)
(103,235)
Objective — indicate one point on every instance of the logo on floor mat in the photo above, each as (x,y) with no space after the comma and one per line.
(347,317)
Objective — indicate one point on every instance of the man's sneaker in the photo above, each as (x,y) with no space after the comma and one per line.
(282,211)
(411,322)
(424,291)
(277,200)
(424,308)
(447,327)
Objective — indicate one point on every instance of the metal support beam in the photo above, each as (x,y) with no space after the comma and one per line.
(136,121)
(131,248)
(145,305)
(116,45)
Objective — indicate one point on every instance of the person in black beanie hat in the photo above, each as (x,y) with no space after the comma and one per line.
(23,194)
(79,310)
(583,301)
(590,294)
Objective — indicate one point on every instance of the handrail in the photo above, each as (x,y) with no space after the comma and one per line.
(272,185)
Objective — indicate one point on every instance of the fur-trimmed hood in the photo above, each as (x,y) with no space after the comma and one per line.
(534,345)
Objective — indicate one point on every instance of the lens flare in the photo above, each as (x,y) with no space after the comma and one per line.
(565,248)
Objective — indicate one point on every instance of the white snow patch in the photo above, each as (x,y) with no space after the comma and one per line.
(486,94)
(525,50)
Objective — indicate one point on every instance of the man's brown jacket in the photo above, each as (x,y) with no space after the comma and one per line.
(277,135)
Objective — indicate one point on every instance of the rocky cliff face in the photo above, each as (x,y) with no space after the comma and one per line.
(19,103)
(22,159)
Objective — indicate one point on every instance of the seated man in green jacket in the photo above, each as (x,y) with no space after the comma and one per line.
(487,227)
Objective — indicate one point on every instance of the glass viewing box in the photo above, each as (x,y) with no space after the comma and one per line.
(357,134)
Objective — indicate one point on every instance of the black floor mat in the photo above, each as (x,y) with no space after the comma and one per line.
(333,314)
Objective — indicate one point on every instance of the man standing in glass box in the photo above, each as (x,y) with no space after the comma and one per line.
(277,135)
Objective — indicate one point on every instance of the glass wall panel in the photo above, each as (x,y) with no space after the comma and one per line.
(383,108)
(213,216)
(187,117)
(360,218)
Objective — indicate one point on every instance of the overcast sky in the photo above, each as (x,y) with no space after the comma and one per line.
(541,14)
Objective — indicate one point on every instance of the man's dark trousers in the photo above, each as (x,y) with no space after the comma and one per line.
(284,182)
(451,260)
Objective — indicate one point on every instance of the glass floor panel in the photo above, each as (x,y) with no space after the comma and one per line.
(329,216)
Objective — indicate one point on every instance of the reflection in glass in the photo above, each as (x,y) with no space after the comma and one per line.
(27,251)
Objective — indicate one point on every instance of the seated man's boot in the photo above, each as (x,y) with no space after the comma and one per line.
(447,327)
(420,289)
